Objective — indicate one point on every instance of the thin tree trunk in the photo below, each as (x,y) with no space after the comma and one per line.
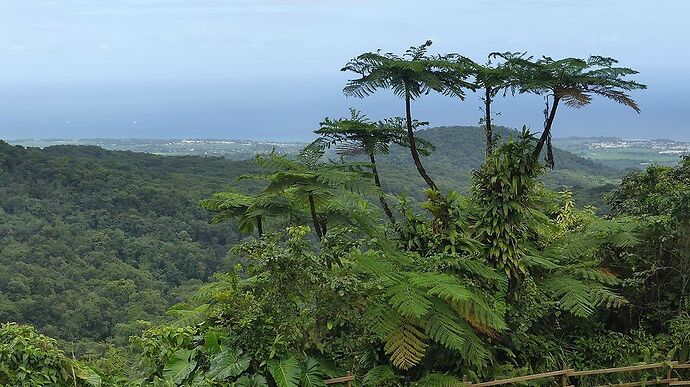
(259,226)
(413,146)
(487,121)
(547,129)
(382,198)
(315,217)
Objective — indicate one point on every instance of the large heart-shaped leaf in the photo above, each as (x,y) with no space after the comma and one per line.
(251,381)
(180,365)
(312,374)
(286,373)
(228,364)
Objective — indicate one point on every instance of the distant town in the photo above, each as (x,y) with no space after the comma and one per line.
(228,148)
(615,152)
(623,153)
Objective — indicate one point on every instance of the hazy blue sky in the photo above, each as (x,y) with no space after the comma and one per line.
(269,68)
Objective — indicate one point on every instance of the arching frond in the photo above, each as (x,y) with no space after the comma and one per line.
(438,380)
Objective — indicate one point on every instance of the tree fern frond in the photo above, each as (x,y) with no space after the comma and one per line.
(408,300)
(573,295)
(540,261)
(438,380)
(471,304)
(406,345)
(382,375)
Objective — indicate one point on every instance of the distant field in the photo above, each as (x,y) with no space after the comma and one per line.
(621,153)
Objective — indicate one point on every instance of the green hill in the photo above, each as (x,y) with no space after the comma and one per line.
(93,240)
(460,150)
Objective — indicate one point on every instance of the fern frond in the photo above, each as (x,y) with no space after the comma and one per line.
(581,297)
(382,375)
(471,304)
(438,380)
(408,300)
(406,345)
(573,295)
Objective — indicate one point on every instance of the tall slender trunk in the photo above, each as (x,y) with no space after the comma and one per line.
(382,198)
(487,120)
(315,217)
(259,226)
(547,129)
(413,145)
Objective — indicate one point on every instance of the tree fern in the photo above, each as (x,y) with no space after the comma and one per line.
(572,81)
(409,76)
(406,344)
(415,309)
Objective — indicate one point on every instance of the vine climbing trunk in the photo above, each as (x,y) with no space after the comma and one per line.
(487,120)
(377,181)
(546,134)
(315,217)
(413,145)
(259,226)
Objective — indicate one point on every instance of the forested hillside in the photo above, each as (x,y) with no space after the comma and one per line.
(95,240)
(92,240)
(458,154)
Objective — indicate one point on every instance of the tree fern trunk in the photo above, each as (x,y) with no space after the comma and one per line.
(259,226)
(547,129)
(487,121)
(315,217)
(377,181)
(413,146)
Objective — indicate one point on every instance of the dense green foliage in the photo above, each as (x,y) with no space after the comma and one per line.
(31,359)
(506,277)
(95,240)
(92,241)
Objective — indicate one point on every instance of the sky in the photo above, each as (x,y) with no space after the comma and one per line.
(269,69)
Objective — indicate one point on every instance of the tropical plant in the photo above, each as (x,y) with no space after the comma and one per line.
(492,77)
(409,77)
(417,307)
(357,135)
(204,359)
(307,179)
(503,190)
(261,324)
(572,81)
(28,358)
(658,277)
(232,205)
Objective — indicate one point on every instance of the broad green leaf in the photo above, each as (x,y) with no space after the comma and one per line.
(228,364)
(286,373)
(180,366)
(312,374)
(251,381)
(89,376)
